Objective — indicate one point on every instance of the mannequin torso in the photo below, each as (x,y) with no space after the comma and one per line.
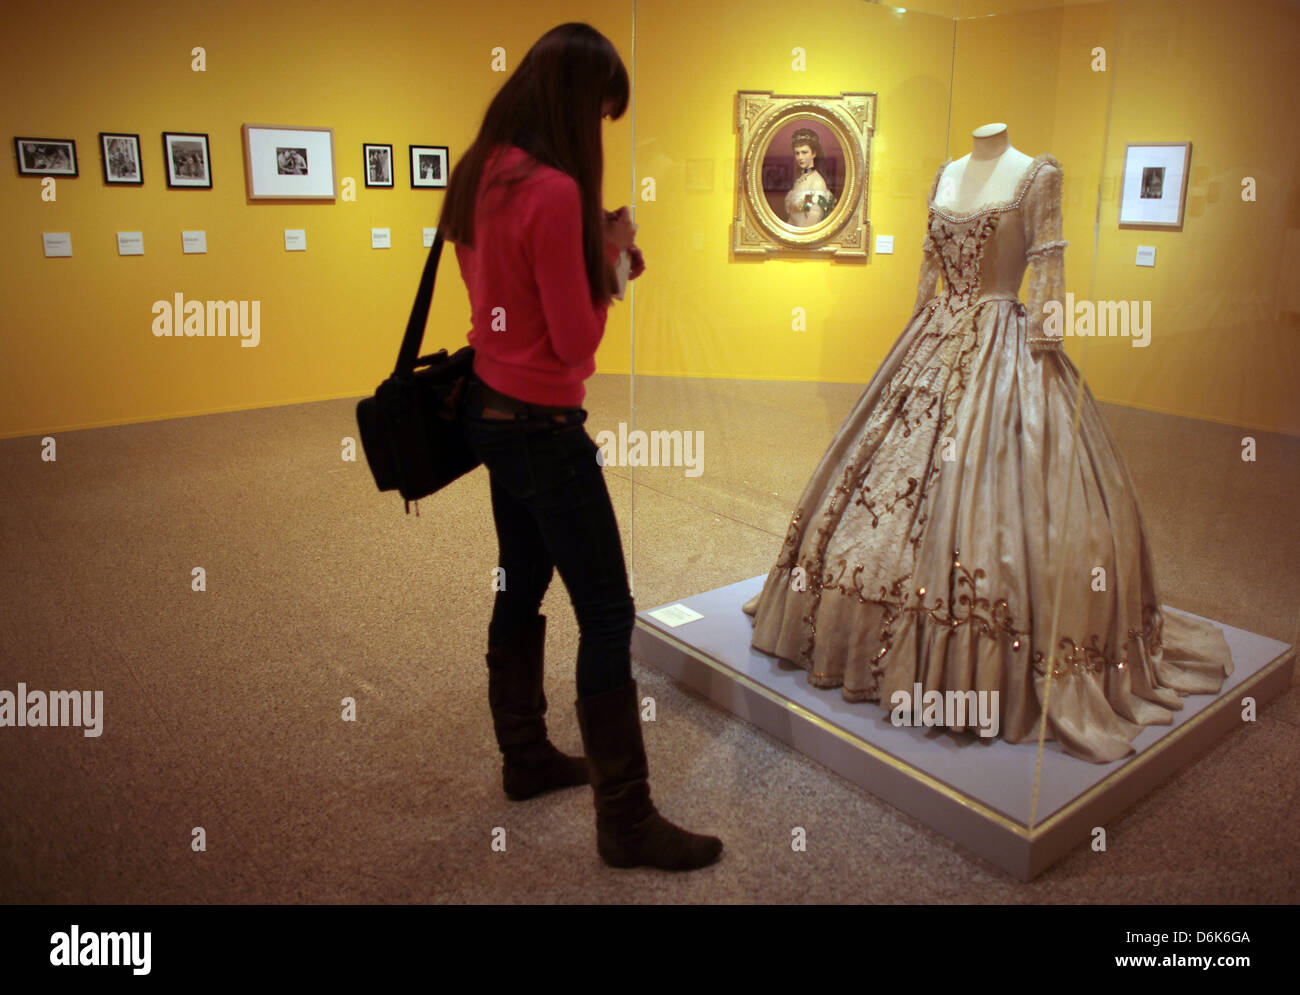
(988,175)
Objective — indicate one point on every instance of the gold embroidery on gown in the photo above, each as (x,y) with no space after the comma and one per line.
(927,543)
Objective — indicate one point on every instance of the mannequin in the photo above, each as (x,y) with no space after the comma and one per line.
(903,567)
(988,175)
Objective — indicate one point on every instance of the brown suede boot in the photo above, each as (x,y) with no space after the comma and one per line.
(531,765)
(630,832)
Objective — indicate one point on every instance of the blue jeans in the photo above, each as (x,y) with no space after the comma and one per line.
(553,512)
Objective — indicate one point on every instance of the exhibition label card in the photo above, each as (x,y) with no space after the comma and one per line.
(130,243)
(381,238)
(194,241)
(1146,255)
(295,240)
(884,245)
(674,615)
(57,243)
(429,235)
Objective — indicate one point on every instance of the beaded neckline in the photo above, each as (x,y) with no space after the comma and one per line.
(1022,187)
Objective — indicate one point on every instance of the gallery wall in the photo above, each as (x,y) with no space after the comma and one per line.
(704,312)
(1225,346)
(1220,348)
(726,316)
(77,349)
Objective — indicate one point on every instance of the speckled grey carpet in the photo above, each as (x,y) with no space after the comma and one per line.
(222,708)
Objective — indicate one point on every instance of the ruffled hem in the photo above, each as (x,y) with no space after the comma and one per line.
(872,650)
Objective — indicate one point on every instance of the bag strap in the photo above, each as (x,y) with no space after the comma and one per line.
(406,355)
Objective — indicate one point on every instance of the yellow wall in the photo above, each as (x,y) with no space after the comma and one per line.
(76,347)
(1032,70)
(1176,71)
(1223,77)
(701,312)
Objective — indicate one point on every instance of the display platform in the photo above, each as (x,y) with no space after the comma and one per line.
(977,792)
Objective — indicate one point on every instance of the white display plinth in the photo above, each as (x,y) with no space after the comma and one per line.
(978,792)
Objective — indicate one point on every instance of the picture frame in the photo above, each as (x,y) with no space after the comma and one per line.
(283,162)
(803,179)
(46,156)
(1153,186)
(188,160)
(119,155)
(428,166)
(377,161)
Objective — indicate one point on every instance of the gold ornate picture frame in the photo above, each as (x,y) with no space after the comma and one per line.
(803,166)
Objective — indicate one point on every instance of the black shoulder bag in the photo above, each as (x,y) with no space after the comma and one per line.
(411,429)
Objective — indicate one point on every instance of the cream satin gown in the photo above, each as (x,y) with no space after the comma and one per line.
(927,545)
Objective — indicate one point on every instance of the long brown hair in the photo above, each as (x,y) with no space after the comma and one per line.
(551,108)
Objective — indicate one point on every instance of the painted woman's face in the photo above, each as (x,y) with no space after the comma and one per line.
(803,155)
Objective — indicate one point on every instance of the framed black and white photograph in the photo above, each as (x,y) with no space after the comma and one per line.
(1153,189)
(428,165)
(378,160)
(188,159)
(288,163)
(46,156)
(120,154)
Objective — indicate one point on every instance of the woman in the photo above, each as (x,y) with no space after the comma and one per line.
(537,253)
(809,199)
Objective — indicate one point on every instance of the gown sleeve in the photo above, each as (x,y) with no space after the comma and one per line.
(931,270)
(1045,256)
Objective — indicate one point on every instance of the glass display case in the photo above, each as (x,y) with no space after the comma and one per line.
(838,376)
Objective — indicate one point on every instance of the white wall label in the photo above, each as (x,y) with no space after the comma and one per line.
(194,241)
(295,240)
(130,243)
(429,235)
(674,615)
(884,245)
(381,238)
(1146,255)
(57,243)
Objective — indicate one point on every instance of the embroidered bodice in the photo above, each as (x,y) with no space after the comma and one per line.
(983,254)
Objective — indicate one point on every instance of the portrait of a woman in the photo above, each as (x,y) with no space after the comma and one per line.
(809,199)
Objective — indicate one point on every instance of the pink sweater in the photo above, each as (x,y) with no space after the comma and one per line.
(535,330)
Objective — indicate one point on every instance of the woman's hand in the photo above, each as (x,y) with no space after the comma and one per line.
(619,230)
(638,262)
